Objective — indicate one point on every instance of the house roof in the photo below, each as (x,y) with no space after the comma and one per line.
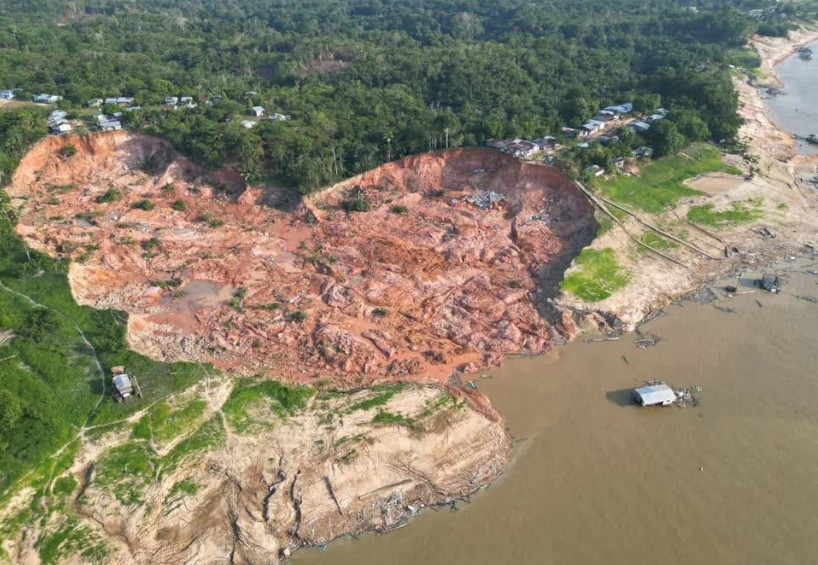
(655,394)
(592,124)
(123,383)
(641,125)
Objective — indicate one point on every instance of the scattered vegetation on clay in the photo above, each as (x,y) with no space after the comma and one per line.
(390,418)
(110,195)
(143,204)
(358,204)
(379,396)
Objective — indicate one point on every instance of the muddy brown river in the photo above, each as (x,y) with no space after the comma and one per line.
(595,480)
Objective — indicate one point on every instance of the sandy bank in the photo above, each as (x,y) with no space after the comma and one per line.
(776,185)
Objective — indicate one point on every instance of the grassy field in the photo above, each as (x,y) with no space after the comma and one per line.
(264,397)
(598,276)
(740,213)
(661,182)
(742,57)
(656,241)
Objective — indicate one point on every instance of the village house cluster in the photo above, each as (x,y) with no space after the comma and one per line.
(608,119)
(58,122)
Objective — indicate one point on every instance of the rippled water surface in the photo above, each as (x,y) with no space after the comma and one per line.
(797,110)
(596,481)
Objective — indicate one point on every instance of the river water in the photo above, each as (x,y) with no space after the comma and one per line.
(797,110)
(594,480)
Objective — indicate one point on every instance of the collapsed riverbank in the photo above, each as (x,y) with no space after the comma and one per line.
(331,469)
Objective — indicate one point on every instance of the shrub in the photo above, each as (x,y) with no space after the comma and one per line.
(399,209)
(67,151)
(144,204)
(110,195)
(298,316)
(179,205)
(359,204)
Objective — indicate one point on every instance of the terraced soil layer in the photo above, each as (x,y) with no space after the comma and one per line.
(427,265)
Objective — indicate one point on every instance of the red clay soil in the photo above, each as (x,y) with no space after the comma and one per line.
(423,283)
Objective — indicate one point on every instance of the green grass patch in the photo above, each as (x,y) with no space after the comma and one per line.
(163,423)
(209,435)
(64,486)
(741,57)
(381,394)
(662,182)
(740,213)
(251,402)
(125,471)
(657,242)
(385,418)
(599,274)
(71,538)
(185,486)
(605,224)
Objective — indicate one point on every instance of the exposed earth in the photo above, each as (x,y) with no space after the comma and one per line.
(250,482)
(443,267)
(414,271)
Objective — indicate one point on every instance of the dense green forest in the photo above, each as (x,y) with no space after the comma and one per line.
(372,80)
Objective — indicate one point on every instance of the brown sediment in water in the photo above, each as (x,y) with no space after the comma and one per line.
(428,280)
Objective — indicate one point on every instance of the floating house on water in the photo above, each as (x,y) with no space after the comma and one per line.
(655,394)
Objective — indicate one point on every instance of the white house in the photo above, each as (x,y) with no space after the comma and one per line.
(592,126)
(248,124)
(171,100)
(47,98)
(257,111)
(7,95)
(61,128)
(94,102)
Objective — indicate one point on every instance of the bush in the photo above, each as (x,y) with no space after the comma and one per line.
(399,209)
(110,195)
(67,151)
(144,204)
(356,205)
(179,205)
(298,316)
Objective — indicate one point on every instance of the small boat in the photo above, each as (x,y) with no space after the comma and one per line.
(806,55)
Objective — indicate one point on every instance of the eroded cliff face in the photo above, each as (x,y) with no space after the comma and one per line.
(446,267)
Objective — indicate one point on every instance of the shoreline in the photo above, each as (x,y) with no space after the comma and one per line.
(655,284)
(771,182)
